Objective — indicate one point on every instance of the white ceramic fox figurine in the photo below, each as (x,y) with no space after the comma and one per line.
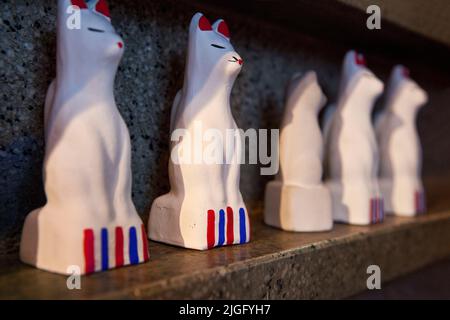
(204,208)
(297,200)
(399,144)
(352,156)
(89,220)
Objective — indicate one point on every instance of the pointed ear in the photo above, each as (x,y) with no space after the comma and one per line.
(199,22)
(221,27)
(65,8)
(102,8)
(79,3)
(405,72)
(359,59)
(64,4)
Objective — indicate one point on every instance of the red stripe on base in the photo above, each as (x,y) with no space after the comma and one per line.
(89,255)
(230,226)
(377,210)
(416,202)
(371,210)
(211,229)
(144,243)
(119,247)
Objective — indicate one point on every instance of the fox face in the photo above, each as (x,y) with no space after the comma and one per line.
(95,36)
(412,99)
(354,62)
(210,52)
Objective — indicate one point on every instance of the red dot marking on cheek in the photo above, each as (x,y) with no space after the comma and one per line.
(240,61)
(120,45)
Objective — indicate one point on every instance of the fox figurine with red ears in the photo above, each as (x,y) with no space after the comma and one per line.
(351,148)
(89,220)
(204,208)
(399,143)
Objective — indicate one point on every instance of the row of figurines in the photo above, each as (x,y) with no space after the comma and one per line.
(89,219)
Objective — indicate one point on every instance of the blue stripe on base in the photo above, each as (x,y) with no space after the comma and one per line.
(105,251)
(221,228)
(134,257)
(242,226)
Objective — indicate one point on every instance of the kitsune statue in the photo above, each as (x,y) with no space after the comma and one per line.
(89,220)
(204,208)
(297,200)
(352,155)
(400,150)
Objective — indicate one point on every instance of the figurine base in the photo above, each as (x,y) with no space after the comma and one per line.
(358,205)
(405,198)
(296,208)
(77,249)
(181,225)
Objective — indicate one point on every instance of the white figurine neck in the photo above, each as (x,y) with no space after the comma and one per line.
(199,92)
(358,103)
(407,102)
(95,83)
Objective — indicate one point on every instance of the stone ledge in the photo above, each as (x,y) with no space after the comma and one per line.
(275,264)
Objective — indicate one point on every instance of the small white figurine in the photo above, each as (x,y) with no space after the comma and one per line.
(352,156)
(297,200)
(89,222)
(204,208)
(400,150)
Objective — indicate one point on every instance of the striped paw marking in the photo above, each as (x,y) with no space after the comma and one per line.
(376,213)
(419,202)
(105,249)
(226,228)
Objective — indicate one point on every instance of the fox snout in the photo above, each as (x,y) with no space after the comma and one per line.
(237,59)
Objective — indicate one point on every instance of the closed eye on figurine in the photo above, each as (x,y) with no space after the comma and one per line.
(217,46)
(95,30)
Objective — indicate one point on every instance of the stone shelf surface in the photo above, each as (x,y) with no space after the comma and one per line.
(274,265)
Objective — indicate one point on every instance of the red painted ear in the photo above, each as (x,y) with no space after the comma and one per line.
(359,59)
(405,72)
(79,3)
(223,29)
(102,8)
(204,24)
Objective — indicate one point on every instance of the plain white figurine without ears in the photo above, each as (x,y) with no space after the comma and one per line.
(204,208)
(351,147)
(297,200)
(89,220)
(399,144)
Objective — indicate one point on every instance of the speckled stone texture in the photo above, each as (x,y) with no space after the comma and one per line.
(151,71)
